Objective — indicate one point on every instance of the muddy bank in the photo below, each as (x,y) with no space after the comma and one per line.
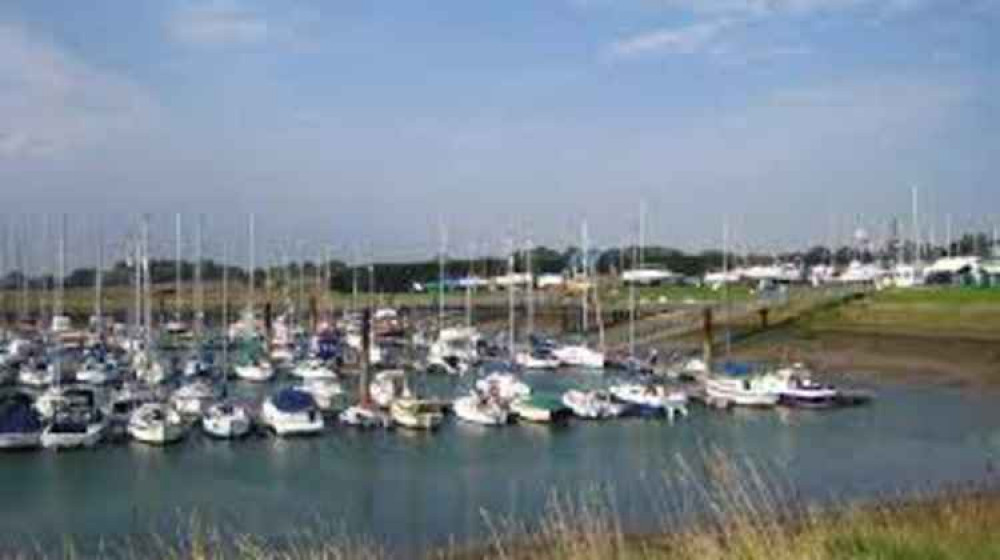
(938,359)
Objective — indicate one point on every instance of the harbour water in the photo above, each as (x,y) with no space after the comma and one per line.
(411,490)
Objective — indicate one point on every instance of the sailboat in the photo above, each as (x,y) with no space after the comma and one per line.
(253,364)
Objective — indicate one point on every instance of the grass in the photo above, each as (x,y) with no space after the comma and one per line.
(741,514)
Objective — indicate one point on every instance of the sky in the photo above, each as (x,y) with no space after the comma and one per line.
(367,126)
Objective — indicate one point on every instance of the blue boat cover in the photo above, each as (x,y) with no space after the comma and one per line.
(291,400)
(737,369)
(17,416)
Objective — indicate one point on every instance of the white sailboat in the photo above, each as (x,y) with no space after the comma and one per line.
(291,412)
(156,424)
(477,409)
(226,420)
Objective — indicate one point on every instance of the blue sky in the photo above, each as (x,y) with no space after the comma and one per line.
(362,124)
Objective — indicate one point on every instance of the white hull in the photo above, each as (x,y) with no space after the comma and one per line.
(579,356)
(227,426)
(161,434)
(361,417)
(735,392)
(28,440)
(471,409)
(291,424)
(255,373)
(405,416)
(89,438)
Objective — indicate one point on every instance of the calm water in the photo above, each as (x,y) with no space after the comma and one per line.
(412,490)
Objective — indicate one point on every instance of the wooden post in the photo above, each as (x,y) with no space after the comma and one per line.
(708,337)
(763,317)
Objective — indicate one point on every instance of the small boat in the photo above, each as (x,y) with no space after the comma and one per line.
(292,412)
(226,420)
(387,386)
(416,414)
(650,399)
(74,427)
(796,388)
(542,409)
(537,360)
(477,409)
(364,417)
(579,356)
(741,391)
(36,373)
(20,424)
(594,405)
(257,371)
(313,369)
(98,372)
(503,386)
(193,398)
(123,404)
(325,391)
(156,424)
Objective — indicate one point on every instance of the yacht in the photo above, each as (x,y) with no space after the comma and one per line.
(226,420)
(651,399)
(579,356)
(36,373)
(742,389)
(156,424)
(292,412)
(416,414)
(255,370)
(504,387)
(79,423)
(795,387)
(325,391)
(194,397)
(123,404)
(95,371)
(594,405)
(541,409)
(537,360)
(20,425)
(313,369)
(477,409)
(387,387)
(364,417)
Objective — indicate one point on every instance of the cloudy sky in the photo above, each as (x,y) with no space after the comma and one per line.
(364,124)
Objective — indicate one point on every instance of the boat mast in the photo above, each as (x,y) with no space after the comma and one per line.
(511,286)
(59,308)
(585,275)
(725,282)
(225,308)
(99,281)
(468,289)
(253,267)
(642,234)
(199,287)
(441,258)
(916,228)
(631,290)
(530,327)
(178,273)
(148,283)
(947,234)
(135,248)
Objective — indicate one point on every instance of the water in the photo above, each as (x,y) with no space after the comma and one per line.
(414,490)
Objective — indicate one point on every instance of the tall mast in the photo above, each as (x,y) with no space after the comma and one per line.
(99,280)
(584,265)
(225,306)
(252,264)
(178,273)
(59,310)
(511,286)
(947,234)
(916,227)
(468,290)
(725,278)
(631,289)
(199,279)
(136,249)
(642,233)
(441,257)
(530,327)
(148,282)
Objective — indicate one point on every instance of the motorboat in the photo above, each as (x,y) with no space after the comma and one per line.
(123,404)
(226,420)
(594,405)
(537,360)
(78,423)
(20,424)
(292,412)
(60,397)
(364,417)
(387,386)
(416,414)
(504,387)
(313,369)
(36,374)
(325,391)
(542,409)
(650,399)
(258,371)
(738,386)
(579,356)
(148,370)
(796,388)
(156,424)
(477,409)
(194,397)
(95,371)
(455,350)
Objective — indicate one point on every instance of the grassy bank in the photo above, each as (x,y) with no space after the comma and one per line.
(747,523)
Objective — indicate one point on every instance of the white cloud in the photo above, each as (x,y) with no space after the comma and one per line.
(219,23)
(51,101)
(683,40)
